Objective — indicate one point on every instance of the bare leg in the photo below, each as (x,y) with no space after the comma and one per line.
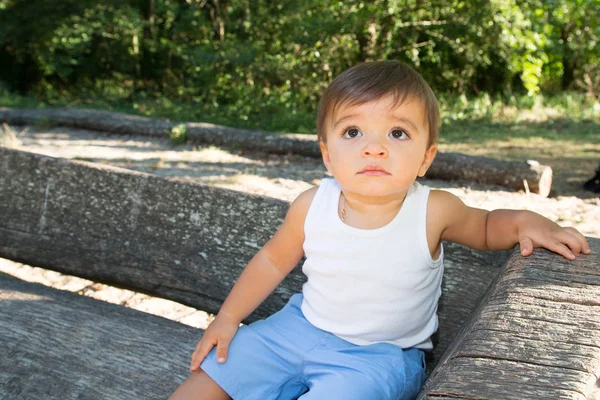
(199,386)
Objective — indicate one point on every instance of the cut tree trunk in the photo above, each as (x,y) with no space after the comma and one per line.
(534,335)
(177,240)
(527,175)
(60,345)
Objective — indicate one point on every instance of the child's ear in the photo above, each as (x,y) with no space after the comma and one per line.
(325,155)
(428,159)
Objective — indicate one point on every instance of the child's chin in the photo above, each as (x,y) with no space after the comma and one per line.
(375,190)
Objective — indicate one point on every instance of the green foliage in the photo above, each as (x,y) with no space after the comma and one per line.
(11,99)
(265,63)
(43,123)
(519,108)
(457,110)
(178,134)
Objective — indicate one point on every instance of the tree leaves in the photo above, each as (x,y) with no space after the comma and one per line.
(251,56)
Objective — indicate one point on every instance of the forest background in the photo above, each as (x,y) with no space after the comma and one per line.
(263,64)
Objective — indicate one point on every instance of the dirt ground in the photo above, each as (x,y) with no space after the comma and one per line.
(282,177)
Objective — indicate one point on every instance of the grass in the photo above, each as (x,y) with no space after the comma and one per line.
(457,110)
(571,148)
(577,137)
(273,119)
(565,125)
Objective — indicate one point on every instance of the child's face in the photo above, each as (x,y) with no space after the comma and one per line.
(376,149)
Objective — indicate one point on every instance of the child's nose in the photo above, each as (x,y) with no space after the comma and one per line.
(374,149)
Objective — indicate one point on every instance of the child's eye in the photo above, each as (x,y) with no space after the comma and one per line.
(399,134)
(352,133)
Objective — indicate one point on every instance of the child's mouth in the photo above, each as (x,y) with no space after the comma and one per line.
(373,170)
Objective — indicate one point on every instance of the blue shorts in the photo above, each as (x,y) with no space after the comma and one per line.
(286,357)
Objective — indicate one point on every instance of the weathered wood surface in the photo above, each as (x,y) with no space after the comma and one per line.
(182,241)
(169,238)
(59,345)
(535,335)
(447,166)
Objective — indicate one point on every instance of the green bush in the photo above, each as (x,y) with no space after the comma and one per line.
(274,57)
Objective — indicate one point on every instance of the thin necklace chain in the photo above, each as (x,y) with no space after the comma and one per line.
(343,213)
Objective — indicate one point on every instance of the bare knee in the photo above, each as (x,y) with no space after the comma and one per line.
(199,386)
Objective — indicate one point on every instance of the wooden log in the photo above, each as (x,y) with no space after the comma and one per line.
(178,240)
(120,123)
(528,175)
(59,345)
(169,238)
(484,378)
(535,335)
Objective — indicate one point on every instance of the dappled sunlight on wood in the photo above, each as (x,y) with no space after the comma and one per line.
(9,295)
(138,301)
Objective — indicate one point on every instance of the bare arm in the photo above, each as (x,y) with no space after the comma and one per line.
(505,228)
(261,276)
(273,262)
(480,229)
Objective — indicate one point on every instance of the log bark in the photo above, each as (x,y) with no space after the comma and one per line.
(535,334)
(182,241)
(528,175)
(59,345)
(525,175)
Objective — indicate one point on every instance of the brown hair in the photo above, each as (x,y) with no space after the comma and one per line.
(372,81)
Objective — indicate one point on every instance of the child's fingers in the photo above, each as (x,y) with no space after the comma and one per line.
(562,249)
(580,240)
(526,246)
(572,241)
(193,365)
(222,350)
(202,349)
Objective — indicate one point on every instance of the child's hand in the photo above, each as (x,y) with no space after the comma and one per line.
(537,231)
(219,333)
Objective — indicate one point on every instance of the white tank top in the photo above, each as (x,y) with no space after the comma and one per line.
(371,285)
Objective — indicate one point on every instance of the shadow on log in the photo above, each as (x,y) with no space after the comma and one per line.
(59,345)
(447,166)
